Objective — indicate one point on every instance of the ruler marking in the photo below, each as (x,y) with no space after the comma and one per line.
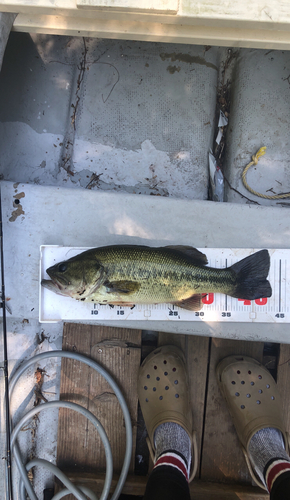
(285,290)
(226,301)
(280,285)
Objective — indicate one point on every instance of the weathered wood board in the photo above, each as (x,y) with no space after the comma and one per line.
(118,350)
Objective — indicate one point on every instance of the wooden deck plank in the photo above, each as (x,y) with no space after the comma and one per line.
(199,490)
(222,457)
(196,353)
(119,351)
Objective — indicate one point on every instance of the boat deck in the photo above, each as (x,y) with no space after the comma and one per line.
(222,471)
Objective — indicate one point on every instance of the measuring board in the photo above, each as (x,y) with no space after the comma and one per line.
(217,307)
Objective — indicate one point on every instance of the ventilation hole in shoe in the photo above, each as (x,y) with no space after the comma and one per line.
(268,386)
(160,397)
(252,383)
(166,387)
(155,367)
(233,382)
(145,387)
(177,395)
(174,369)
(249,372)
(154,389)
(148,376)
(176,382)
(158,378)
(248,395)
(258,402)
(237,394)
(165,362)
(273,397)
(260,391)
(165,373)
(243,407)
(259,377)
(238,372)
(242,382)
(146,400)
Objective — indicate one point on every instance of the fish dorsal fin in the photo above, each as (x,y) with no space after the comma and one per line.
(122,286)
(194,303)
(199,257)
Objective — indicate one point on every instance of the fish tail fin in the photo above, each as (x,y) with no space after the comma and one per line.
(251,274)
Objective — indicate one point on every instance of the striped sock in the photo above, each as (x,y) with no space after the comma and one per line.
(268,455)
(171,439)
(173,459)
(276,471)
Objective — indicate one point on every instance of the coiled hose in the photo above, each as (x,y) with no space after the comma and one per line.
(80,492)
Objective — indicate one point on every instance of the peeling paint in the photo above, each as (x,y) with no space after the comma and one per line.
(18,196)
(16,213)
(18,207)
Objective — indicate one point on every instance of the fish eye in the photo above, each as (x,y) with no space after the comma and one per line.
(62,268)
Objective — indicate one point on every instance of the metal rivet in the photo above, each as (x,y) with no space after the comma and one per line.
(268,386)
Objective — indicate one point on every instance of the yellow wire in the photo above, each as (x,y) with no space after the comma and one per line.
(255,159)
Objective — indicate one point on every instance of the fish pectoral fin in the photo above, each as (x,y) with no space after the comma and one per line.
(196,255)
(194,303)
(123,286)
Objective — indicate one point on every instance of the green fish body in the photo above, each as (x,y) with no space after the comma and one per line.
(128,275)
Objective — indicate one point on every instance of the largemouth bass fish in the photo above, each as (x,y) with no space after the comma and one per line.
(128,274)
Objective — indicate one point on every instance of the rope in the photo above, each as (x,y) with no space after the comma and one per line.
(255,159)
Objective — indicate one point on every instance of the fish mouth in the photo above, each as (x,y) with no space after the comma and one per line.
(59,281)
(54,285)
